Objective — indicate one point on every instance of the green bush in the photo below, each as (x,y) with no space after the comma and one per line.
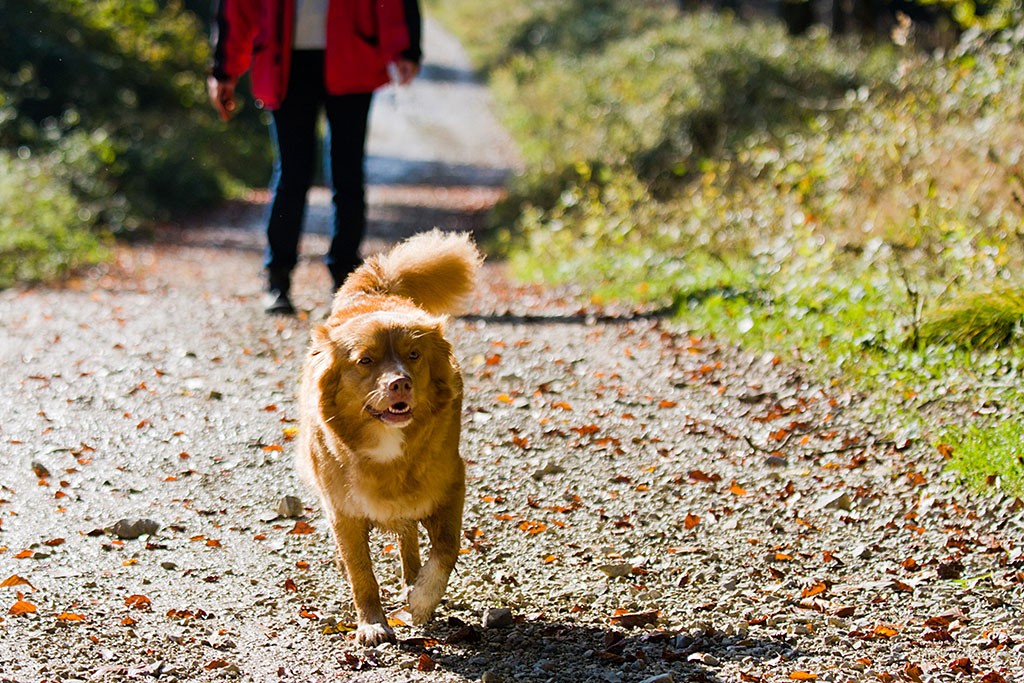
(114,94)
(806,196)
(44,229)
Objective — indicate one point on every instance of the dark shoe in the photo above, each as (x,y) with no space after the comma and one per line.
(276,302)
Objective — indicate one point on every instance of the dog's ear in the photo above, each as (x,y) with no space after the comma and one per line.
(320,362)
(443,367)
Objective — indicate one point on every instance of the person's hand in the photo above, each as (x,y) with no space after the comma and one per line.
(222,96)
(407,71)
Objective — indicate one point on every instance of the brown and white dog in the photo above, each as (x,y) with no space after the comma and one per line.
(381,404)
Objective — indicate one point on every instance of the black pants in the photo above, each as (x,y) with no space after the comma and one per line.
(294,134)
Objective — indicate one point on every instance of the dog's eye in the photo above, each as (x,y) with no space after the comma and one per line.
(413,355)
(365,360)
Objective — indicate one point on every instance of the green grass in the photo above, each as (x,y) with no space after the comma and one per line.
(857,210)
(988,457)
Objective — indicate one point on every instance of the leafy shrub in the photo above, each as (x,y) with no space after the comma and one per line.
(105,102)
(799,195)
(41,226)
(114,94)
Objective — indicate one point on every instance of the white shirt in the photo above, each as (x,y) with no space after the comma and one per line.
(310,24)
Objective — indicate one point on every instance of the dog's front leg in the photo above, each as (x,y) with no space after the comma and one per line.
(444,528)
(353,537)
(409,548)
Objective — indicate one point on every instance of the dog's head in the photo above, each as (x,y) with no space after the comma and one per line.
(392,367)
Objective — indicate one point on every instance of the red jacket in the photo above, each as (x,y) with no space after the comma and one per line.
(363,37)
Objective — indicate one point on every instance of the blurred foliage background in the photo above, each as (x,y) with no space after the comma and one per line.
(849,201)
(105,128)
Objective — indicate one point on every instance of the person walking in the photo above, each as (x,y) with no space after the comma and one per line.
(305,57)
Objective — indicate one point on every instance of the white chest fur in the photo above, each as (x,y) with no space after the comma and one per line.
(390,445)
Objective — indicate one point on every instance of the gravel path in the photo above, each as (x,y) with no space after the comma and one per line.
(643,504)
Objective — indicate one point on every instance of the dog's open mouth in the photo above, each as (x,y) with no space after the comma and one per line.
(398,414)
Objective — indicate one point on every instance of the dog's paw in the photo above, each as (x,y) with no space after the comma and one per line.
(425,596)
(372,635)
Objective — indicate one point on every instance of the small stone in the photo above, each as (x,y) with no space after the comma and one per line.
(497,617)
(490,677)
(550,468)
(705,658)
(127,529)
(950,569)
(614,571)
(775,461)
(169,566)
(290,506)
(660,678)
(836,501)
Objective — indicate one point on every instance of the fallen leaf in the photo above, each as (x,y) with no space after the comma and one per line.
(24,555)
(139,602)
(633,619)
(307,613)
(802,676)
(883,631)
(532,528)
(302,527)
(22,606)
(213,543)
(813,590)
(425,663)
(697,475)
(690,521)
(216,664)
(962,665)
(737,490)
(15,580)
(70,616)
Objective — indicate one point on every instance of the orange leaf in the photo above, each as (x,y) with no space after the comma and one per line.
(128,621)
(802,676)
(306,613)
(811,591)
(213,543)
(273,447)
(15,580)
(290,586)
(561,405)
(425,663)
(532,527)
(70,616)
(697,475)
(667,404)
(139,602)
(631,619)
(21,607)
(24,555)
(691,521)
(883,631)
(302,527)
(737,490)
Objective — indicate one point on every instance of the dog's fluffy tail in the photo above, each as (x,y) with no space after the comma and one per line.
(437,270)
